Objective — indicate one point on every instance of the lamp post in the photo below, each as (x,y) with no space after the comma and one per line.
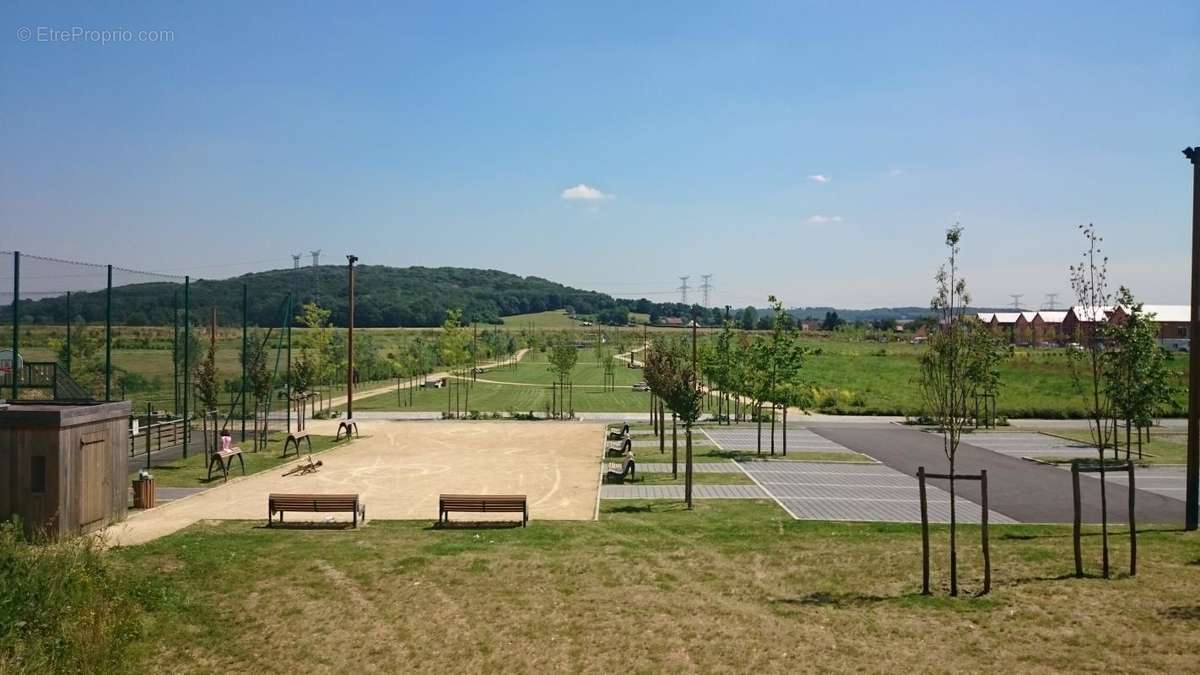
(351,259)
(1192,502)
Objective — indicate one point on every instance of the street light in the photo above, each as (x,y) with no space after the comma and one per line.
(1192,503)
(351,259)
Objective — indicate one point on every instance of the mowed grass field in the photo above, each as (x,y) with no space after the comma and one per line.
(845,373)
(734,586)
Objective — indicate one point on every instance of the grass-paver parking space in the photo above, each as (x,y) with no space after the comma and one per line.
(850,492)
(1168,481)
(745,438)
(1032,445)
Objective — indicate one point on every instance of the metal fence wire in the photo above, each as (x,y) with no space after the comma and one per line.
(175,347)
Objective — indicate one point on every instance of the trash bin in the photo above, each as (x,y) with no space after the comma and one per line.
(143,493)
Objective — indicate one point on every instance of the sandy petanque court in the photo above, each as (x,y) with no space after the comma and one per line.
(400,468)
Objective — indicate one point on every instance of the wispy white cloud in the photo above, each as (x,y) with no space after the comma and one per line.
(895,172)
(819,178)
(587,193)
(819,219)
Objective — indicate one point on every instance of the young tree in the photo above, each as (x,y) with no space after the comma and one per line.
(944,382)
(563,357)
(86,357)
(786,356)
(1135,369)
(670,375)
(452,348)
(260,386)
(1089,282)
(985,352)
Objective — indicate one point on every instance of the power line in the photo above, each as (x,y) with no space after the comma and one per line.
(1016,300)
(1052,301)
(296,260)
(683,289)
(706,288)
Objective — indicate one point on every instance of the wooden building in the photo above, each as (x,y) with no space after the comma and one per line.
(64,467)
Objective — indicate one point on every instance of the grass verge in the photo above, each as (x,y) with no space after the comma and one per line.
(731,586)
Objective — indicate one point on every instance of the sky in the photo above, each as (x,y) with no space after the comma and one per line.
(814,151)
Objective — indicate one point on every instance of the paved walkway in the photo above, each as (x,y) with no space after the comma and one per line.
(1022,490)
(676,492)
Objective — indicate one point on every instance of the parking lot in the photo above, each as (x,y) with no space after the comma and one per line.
(850,492)
(1030,444)
(745,438)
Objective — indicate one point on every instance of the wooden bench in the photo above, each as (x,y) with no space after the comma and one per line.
(294,439)
(619,435)
(626,444)
(617,474)
(483,504)
(224,460)
(277,503)
(347,424)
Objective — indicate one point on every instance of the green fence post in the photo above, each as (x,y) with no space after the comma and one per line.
(108,338)
(245,355)
(187,339)
(68,332)
(16,340)
(175,353)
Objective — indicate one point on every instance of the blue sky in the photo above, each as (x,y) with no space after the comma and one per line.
(441,134)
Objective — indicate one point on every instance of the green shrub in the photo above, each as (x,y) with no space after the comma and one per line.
(64,608)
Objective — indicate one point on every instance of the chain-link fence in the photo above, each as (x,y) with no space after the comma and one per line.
(205,355)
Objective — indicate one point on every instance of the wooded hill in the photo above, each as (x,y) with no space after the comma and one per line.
(385,296)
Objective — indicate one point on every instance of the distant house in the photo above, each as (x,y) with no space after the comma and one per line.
(672,322)
(1048,326)
(1081,321)
(1173,322)
(1005,323)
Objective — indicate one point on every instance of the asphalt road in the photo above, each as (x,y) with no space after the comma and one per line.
(1020,489)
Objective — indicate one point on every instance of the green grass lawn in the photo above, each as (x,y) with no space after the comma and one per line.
(541,320)
(1163,447)
(647,478)
(192,472)
(733,586)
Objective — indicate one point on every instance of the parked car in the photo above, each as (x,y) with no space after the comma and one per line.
(1075,346)
(918,340)
(641,386)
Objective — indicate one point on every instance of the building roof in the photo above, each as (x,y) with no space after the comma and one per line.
(1052,316)
(1007,317)
(1169,313)
(985,317)
(1028,316)
(1084,314)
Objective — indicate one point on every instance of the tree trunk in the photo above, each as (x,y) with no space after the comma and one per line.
(772,428)
(662,434)
(953,535)
(687,477)
(674,449)
(758,407)
(785,430)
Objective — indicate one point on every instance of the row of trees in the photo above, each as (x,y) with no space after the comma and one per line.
(754,370)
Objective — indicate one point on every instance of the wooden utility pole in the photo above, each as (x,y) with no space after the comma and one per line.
(1192,500)
(351,259)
